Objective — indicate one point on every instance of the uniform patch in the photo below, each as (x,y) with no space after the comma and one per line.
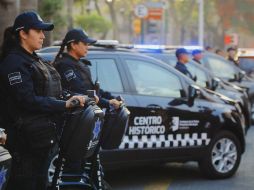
(14,78)
(97,129)
(3,173)
(69,75)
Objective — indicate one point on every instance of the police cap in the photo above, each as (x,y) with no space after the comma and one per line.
(31,20)
(181,51)
(78,35)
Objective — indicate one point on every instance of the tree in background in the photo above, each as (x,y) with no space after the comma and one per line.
(51,11)
(114,18)
(184,20)
(237,17)
(113,15)
(94,24)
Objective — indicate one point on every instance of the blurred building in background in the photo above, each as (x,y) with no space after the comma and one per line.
(173,22)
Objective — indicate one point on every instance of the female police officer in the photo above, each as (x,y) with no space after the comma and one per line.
(32,88)
(76,75)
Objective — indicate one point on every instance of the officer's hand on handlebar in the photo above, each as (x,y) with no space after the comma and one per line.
(96,99)
(115,103)
(69,103)
(3,138)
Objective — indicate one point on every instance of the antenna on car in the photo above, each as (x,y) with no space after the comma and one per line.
(97,83)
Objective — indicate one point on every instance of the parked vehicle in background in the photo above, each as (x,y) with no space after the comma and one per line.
(206,79)
(171,118)
(246,60)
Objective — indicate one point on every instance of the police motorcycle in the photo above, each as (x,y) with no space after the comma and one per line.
(83,134)
(5,164)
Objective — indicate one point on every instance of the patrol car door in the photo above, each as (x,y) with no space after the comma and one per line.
(112,78)
(163,119)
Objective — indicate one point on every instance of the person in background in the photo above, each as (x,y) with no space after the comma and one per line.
(182,56)
(209,48)
(197,56)
(220,52)
(232,56)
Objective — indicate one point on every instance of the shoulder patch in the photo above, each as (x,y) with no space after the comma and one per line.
(14,78)
(69,75)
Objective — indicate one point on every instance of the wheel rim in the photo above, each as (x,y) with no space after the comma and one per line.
(224,155)
(52,168)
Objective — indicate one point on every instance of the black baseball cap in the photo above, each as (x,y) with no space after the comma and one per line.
(196,51)
(31,20)
(78,35)
(181,51)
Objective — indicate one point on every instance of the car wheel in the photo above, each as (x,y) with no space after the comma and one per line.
(52,165)
(106,186)
(222,157)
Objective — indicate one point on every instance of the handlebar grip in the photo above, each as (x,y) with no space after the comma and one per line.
(75,103)
(119,98)
(89,100)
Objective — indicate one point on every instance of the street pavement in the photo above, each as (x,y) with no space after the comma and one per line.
(177,176)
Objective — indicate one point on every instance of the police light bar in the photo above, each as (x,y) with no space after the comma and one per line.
(126,46)
(185,47)
(106,43)
(245,52)
(152,47)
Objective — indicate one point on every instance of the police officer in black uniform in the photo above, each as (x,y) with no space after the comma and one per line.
(32,101)
(76,74)
(76,78)
(231,56)
(197,55)
(182,59)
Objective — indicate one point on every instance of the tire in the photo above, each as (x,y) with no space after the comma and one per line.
(106,185)
(222,157)
(52,164)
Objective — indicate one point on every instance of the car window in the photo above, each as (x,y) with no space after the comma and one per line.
(201,75)
(171,60)
(165,58)
(220,68)
(153,80)
(246,63)
(49,50)
(107,73)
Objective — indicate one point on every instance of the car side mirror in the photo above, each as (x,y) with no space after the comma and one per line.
(241,75)
(236,78)
(194,92)
(215,83)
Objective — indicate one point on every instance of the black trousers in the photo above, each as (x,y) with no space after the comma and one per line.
(29,170)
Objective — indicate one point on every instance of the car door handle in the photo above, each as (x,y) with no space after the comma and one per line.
(154,106)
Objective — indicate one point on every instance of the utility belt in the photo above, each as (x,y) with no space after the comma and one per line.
(32,132)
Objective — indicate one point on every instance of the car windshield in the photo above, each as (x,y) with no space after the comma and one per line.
(202,78)
(195,71)
(220,67)
(156,81)
(171,60)
(246,63)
